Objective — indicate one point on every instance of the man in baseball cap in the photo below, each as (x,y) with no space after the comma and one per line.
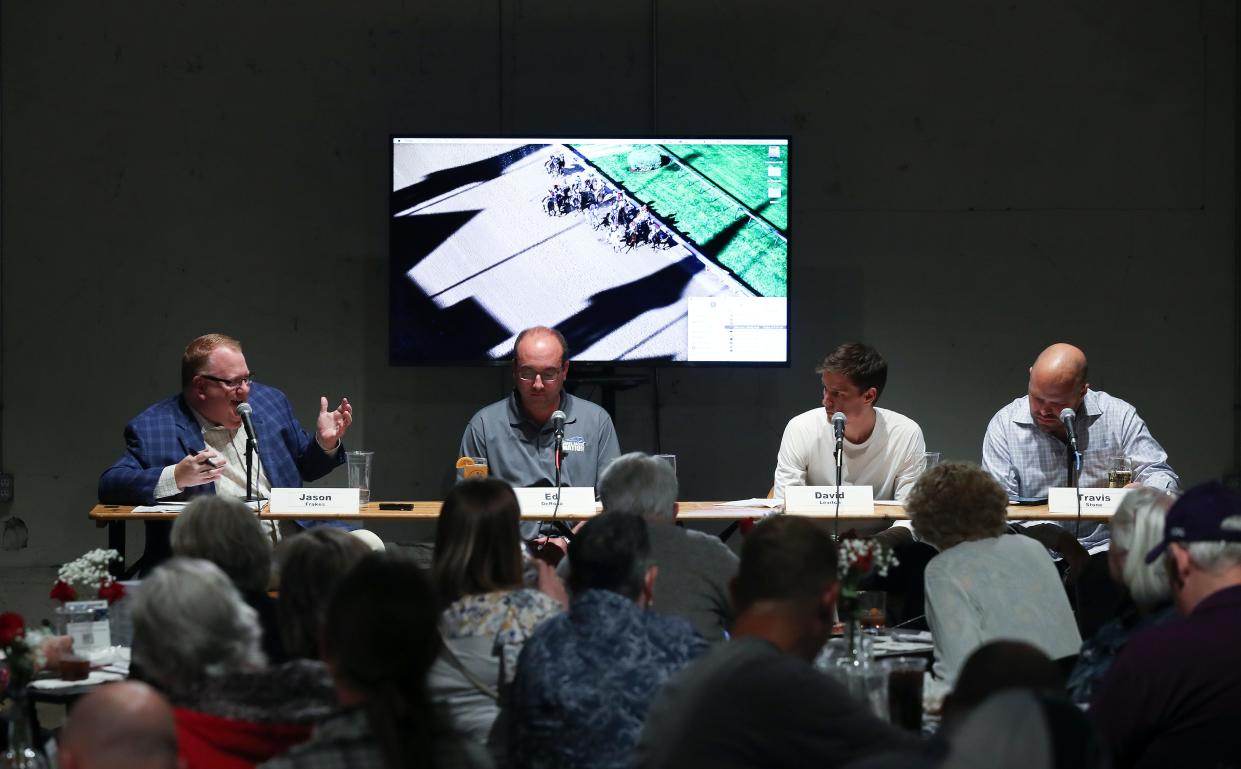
(1173,695)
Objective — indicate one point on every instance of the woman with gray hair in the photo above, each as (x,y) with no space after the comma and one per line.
(984,584)
(1137,527)
(226,532)
(198,641)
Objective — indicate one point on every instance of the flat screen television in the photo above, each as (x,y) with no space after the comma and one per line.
(638,250)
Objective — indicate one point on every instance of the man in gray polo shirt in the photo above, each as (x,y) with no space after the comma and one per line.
(515,435)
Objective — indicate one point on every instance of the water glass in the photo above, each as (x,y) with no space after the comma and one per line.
(358,465)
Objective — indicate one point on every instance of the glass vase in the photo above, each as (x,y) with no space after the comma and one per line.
(21,752)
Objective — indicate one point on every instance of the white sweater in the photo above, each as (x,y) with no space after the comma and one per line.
(889,461)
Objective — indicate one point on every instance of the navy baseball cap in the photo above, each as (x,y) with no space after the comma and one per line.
(1198,516)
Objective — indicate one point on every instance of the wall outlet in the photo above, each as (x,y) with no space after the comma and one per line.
(6,487)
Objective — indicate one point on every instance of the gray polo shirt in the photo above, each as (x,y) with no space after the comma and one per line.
(520,452)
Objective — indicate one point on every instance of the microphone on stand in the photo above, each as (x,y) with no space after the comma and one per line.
(1067,415)
(838,425)
(558,420)
(246,412)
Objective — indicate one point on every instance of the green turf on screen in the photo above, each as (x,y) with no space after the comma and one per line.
(702,210)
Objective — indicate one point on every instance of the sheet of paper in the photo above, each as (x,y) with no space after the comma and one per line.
(770,504)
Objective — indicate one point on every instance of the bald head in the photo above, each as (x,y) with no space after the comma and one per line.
(119,725)
(1057,381)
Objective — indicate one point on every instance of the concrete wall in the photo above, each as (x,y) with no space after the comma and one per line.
(971,181)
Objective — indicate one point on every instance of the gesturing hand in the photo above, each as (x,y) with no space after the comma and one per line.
(333,425)
(197,469)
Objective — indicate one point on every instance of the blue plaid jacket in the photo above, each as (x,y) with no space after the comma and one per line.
(163,434)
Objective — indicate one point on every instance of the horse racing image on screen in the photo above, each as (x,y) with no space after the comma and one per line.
(637,250)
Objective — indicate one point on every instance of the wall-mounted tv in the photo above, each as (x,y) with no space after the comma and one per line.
(637,250)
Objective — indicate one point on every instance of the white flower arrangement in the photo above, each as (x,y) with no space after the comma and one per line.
(88,574)
(859,558)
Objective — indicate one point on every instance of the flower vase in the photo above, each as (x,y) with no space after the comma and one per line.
(856,668)
(21,752)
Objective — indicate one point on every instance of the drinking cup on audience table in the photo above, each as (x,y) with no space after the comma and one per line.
(471,467)
(358,465)
(74,667)
(905,692)
(929,460)
(872,605)
(671,459)
(1119,472)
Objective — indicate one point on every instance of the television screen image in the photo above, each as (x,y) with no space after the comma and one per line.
(637,250)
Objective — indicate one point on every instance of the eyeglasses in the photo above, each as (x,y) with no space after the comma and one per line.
(231,384)
(547,375)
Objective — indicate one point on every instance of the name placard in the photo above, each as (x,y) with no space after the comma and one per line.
(1064,500)
(314,501)
(541,502)
(822,499)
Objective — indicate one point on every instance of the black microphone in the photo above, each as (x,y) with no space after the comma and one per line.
(558,418)
(1067,415)
(838,425)
(244,411)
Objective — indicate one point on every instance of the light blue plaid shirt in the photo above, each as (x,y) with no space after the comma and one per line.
(1027,461)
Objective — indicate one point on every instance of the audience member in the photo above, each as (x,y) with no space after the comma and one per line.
(984,584)
(122,725)
(1026,729)
(993,667)
(1173,695)
(997,666)
(310,565)
(488,614)
(379,641)
(198,641)
(755,701)
(586,678)
(694,568)
(1136,527)
(227,533)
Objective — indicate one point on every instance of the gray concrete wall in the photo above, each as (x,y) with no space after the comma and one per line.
(971,181)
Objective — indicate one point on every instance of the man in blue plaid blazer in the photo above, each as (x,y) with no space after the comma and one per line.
(191,444)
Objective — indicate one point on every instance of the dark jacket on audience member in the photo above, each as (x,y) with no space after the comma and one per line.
(1173,697)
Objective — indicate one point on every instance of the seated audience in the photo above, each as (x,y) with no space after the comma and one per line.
(984,584)
(1136,527)
(310,566)
(755,701)
(379,640)
(1173,695)
(227,533)
(586,678)
(488,614)
(694,568)
(122,725)
(1026,729)
(198,642)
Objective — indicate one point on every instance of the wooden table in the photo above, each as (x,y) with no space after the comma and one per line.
(114,517)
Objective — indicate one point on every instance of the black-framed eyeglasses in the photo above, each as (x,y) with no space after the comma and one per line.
(231,384)
(547,375)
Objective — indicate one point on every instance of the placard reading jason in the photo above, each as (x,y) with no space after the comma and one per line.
(338,501)
(541,502)
(1064,500)
(822,499)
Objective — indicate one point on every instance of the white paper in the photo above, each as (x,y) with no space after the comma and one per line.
(755,502)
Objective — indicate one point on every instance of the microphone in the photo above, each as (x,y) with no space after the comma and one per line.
(838,425)
(558,418)
(244,411)
(1067,415)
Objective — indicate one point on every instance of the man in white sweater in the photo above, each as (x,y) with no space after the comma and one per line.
(882,449)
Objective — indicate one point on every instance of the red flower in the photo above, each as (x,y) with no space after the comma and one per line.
(865,561)
(12,627)
(62,591)
(111,591)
